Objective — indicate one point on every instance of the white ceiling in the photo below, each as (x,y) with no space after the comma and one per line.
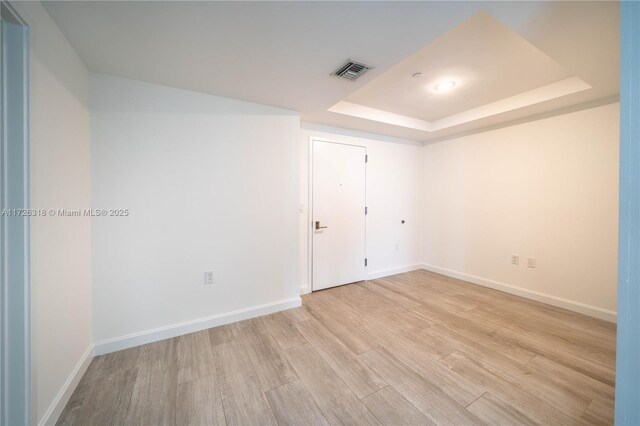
(487,61)
(281,53)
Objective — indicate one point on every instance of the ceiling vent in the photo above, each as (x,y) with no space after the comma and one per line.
(352,70)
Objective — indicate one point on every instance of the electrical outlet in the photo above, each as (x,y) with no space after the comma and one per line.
(531,262)
(208,277)
(515,259)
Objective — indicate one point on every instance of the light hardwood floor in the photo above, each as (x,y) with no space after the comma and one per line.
(413,348)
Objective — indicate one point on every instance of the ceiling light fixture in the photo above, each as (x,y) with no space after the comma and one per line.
(445,86)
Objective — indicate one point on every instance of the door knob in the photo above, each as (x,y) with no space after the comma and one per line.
(318,225)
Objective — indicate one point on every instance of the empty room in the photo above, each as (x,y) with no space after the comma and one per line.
(320,212)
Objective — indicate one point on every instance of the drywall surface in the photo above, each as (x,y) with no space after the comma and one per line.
(546,189)
(393,194)
(60,179)
(209,184)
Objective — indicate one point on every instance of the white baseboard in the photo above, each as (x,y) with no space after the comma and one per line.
(393,271)
(50,417)
(559,302)
(304,289)
(174,330)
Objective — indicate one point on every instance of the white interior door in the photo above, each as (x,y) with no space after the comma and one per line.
(338,219)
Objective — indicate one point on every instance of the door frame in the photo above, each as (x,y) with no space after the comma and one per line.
(627,394)
(313,139)
(15,292)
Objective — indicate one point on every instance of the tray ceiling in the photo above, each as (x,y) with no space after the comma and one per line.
(282,54)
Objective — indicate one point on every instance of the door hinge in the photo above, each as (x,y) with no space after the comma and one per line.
(365,261)
(366,210)
(366,158)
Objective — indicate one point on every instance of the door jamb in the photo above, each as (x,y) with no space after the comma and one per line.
(16,361)
(627,391)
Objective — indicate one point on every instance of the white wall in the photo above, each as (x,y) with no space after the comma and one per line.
(211,184)
(393,193)
(547,189)
(60,247)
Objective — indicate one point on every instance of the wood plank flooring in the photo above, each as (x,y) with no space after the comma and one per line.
(413,348)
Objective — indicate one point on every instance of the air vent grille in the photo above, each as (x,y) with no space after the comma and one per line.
(352,70)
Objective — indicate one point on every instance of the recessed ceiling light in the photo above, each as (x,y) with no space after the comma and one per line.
(445,86)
